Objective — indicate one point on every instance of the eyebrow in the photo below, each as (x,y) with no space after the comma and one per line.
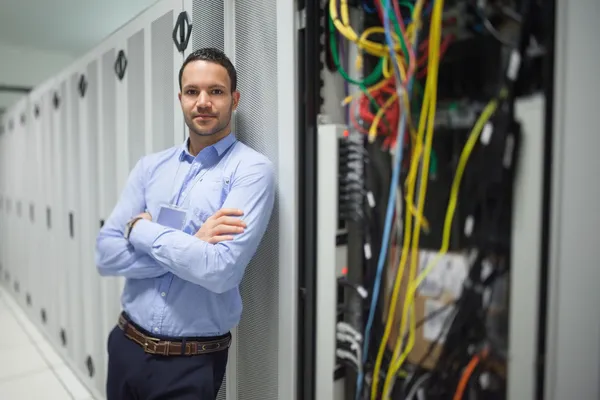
(215,86)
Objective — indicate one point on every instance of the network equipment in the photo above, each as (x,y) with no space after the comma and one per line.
(429,143)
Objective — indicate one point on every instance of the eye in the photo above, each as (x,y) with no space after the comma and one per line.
(191,92)
(217,91)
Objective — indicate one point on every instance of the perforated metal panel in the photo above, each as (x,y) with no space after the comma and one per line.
(256,125)
(162,82)
(109,190)
(222,395)
(136,94)
(207,19)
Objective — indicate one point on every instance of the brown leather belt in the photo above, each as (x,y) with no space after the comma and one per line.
(172,348)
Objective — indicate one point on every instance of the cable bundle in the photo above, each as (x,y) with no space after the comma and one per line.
(406,119)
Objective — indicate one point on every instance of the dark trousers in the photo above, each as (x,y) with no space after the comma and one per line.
(136,375)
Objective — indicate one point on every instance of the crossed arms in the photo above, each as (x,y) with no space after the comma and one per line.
(153,250)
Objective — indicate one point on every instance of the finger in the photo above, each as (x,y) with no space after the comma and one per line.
(226,229)
(228,211)
(231,221)
(221,238)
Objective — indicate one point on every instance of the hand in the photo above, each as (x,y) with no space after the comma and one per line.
(144,215)
(221,226)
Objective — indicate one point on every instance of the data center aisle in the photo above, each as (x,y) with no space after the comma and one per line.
(29,367)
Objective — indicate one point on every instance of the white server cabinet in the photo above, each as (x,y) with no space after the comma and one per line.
(75,332)
(87,100)
(110,65)
(6,142)
(572,343)
(209,20)
(148,117)
(18,173)
(8,149)
(41,291)
(25,172)
(35,281)
(260,40)
(10,232)
(3,175)
(57,221)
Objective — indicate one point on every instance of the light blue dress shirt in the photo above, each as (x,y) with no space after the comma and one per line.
(176,284)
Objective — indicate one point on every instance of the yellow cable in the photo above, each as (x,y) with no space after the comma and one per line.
(465,154)
(342,25)
(379,115)
(431,88)
(387,60)
(370,89)
(464,157)
(411,179)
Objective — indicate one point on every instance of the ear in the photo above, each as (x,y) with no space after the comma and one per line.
(179,96)
(236,100)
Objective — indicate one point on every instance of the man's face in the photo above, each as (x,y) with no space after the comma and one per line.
(206,98)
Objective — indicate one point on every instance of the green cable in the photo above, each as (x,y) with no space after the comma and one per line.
(370,80)
(392,15)
(377,73)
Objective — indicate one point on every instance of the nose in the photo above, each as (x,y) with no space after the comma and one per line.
(203,100)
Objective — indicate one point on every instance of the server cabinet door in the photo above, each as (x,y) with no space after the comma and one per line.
(209,19)
(107,179)
(72,218)
(88,216)
(47,312)
(10,196)
(22,173)
(148,115)
(39,270)
(162,60)
(9,199)
(3,218)
(57,216)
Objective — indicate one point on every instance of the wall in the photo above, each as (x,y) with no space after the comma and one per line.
(22,66)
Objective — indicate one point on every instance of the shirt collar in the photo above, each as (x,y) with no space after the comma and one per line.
(220,147)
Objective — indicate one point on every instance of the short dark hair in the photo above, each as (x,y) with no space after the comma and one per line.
(216,56)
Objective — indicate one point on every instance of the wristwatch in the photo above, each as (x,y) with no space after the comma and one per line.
(129,226)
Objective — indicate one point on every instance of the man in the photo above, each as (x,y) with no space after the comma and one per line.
(186,226)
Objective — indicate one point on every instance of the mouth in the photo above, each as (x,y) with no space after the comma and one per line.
(204,117)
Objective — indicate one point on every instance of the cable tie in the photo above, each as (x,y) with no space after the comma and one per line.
(362,292)
(371,199)
(344,327)
(368,253)
(513,65)
(486,134)
(469,225)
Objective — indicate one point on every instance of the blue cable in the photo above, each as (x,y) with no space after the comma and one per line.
(390,207)
(369,9)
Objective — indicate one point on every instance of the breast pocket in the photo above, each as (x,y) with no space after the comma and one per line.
(207,198)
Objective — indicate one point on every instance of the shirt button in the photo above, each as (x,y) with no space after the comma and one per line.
(163,294)
(155,329)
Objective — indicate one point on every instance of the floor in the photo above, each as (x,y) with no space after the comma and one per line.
(30,368)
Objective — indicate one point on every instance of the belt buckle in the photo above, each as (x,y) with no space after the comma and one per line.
(151,345)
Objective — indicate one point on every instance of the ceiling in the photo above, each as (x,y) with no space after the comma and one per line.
(64,26)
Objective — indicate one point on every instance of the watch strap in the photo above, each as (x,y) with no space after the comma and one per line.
(129,226)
